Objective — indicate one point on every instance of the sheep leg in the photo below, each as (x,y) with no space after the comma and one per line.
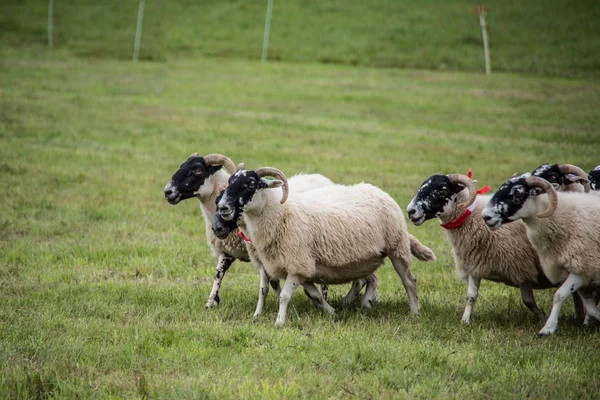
(291,283)
(590,304)
(317,298)
(570,286)
(354,291)
(579,309)
(472,293)
(262,291)
(402,267)
(222,267)
(325,292)
(370,292)
(529,301)
(275,285)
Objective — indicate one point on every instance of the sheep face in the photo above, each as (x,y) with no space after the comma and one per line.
(594,177)
(435,198)
(553,174)
(238,196)
(188,180)
(510,203)
(222,228)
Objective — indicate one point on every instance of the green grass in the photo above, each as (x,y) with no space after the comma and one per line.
(103,284)
(556,37)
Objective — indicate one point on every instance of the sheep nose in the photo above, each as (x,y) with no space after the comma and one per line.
(168,192)
(224,209)
(411,212)
(486,218)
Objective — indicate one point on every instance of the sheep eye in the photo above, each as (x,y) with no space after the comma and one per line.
(517,193)
(251,185)
(198,172)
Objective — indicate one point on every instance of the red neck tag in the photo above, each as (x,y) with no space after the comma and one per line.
(455,223)
(484,189)
(246,238)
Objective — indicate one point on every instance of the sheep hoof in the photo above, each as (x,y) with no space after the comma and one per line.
(466,321)
(279,323)
(367,304)
(545,333)
(212,303)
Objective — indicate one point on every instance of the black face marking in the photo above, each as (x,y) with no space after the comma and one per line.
(509,199)
(594,177)
(431,198)
(551,173)
(188,179)
(232,201)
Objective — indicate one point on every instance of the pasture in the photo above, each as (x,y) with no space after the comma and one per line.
(103,283)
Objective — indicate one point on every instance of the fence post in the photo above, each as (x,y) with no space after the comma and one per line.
(267,29)
(486,49)
(138,31)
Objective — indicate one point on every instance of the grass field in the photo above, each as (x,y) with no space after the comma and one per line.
(552,37)
(103,284)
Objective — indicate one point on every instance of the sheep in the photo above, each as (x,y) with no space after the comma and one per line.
(502,256)
(205,177)
(332,235)
(594,178)
(569,178)
(563,227)
(222,228)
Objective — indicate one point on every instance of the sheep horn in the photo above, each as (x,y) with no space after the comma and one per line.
(575,170)
(534,181)
(220,159)
(269,171)
(241,166)
(468,183)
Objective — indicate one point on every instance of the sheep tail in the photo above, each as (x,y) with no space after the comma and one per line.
(420,251)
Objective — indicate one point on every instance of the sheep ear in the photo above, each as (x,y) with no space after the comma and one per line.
(241,166)
(272,183)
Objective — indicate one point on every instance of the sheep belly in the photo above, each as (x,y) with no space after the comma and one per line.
(345,273)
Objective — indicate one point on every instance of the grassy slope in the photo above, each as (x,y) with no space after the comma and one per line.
(558,37)
(103,284)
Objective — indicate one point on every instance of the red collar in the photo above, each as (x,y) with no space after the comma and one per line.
(455,223)
(246,238)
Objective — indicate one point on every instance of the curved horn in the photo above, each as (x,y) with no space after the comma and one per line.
(220,159)
(575,170)
(269,171)
(468,183)
(534,181)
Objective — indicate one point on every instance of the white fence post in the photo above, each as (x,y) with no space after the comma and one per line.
(267,29)
(138,31)
(486,49)
(50,22)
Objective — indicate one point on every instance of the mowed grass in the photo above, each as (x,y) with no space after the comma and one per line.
(103,284)
(551,37)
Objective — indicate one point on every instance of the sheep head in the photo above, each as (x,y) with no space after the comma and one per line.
(192,174)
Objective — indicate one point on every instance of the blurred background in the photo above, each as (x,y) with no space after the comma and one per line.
(557,37)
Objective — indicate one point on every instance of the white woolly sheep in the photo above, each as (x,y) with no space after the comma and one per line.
(204,178)
(563,227)
(332,235)
(503,256)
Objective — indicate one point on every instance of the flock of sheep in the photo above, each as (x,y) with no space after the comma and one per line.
(539,230)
